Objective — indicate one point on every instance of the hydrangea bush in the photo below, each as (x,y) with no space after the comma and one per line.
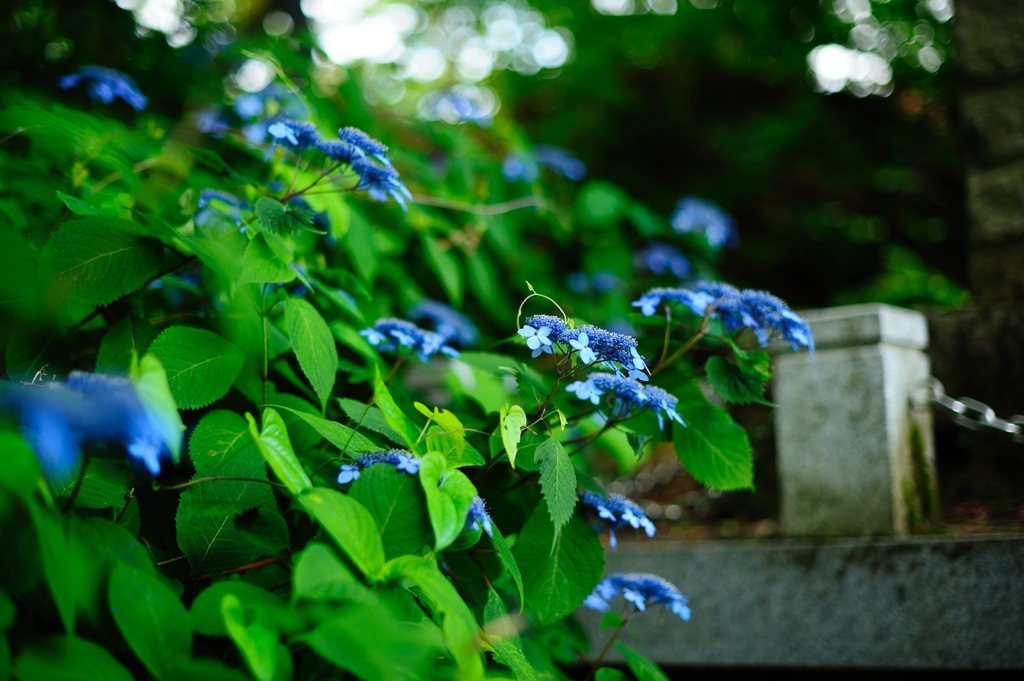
(244,437)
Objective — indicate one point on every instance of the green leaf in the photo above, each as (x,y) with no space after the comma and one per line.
(397,502)
(200,365)
(221,446)
(265,264)
(350,525)
(281,219)
(449,496)
(66,658)
(223,256)
(734,385)
(643,668)
(257,640)
(96,260)
(370,417)
(512,421)
(359,244)
(206,616)
(314,346)
(154,391)
(638,441)
(713,448)
(151,618)
(451,427)
(509,561)
(320,576)
(130,335)
(79,206)
(512,657)
(557,582)
(65,565)
(611,620)
(459,624)
(394,416)
(277,451)
(342,437)
(557,481)
(103,485)
(610,674)
(446,267)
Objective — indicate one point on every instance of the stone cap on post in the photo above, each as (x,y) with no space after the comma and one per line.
(853,457)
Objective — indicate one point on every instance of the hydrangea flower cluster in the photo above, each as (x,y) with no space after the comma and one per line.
(522,167)
(543,331)
(478,518)
(452,325)
(661,259)
(617,511)
(58,419)
(385,332)
(696,216)
(367,157)
(641,590)
(105,85)
(759,311)
(628,397)
(404,461)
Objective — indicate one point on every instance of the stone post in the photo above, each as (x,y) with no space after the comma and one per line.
(854,458)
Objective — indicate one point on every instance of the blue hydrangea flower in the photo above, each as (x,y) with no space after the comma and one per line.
(661,259)
(628,397)
(386,332)
(696,216)
(297,134)
(543,331)
(759,311)
(105,85)
(58,419)
(640,589)
(369,146)
(406,462)
(380,182)
(561,161)
(452,325)
(478,518)
(617,511)
(338,150)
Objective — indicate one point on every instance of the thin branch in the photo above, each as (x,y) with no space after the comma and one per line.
(484,209)
(214,478)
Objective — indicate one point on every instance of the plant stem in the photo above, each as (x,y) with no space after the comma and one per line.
(78,486)
(607,648)
(486,209)
(214,478)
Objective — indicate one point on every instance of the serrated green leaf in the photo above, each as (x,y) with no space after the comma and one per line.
(734,385)
(370,417)
(449,495)
(151,618)
(97,260)
(104,485)
(348,523)
(397,502)
(512,421)
(130,335)
(509,561)
(277,451)
(713,448)
(642,667)
(262,263)
(314,346)
(67,658)
(557,481)
(281,219)
(557,582)
(200,365)
(394,416)
(342,437)
(512,657)
(320,576)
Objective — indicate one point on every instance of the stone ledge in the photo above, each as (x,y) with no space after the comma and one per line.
(866,324)
(953,603)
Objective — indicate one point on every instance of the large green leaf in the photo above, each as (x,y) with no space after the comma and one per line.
(258,640)
(280,218)
(643,668)
(151,618)
(558,581)
(733,384)
(449,495)
(396,501)
(713,448)
(557,481)
(97,260)
(221,446)
(66,658)
(319,575)
(459,624)
(369,417)
(66,567)
(512,421)
(277,450)
(348,523)
(392,414)
(265,264)
(200,365)
(507,653)
(130,335)
(103,485)
(314,346)
(207,619)
(342,437)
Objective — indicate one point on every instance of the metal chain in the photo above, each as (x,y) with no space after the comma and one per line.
(967,412)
